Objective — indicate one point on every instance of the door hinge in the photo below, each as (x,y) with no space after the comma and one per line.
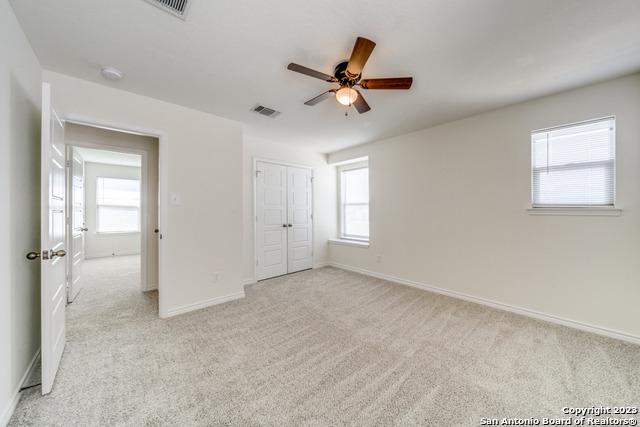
(256,262)
(311,179)
(68,163)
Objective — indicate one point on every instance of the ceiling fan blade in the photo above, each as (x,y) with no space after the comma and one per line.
(361,51)
(391,83)
(360,104)
(309,72)
(320,98)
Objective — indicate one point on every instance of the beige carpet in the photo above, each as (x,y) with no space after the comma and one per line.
(318,348)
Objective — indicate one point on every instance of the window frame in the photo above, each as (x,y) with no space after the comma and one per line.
(126,207)
(566,208)
(341,211)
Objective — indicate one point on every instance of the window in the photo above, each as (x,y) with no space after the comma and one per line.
(118,205)
(354,202)
(574,165)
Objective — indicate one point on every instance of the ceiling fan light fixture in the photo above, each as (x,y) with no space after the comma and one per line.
(348,74)
(346,96)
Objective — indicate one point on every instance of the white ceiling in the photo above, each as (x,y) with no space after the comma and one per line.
(109,157)
(466,56)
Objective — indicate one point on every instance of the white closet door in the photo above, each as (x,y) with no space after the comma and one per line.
(271,220)
(300,239)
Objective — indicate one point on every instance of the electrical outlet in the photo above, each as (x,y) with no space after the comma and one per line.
(216,277)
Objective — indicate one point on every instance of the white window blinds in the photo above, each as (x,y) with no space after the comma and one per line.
(118,205)
(355,203)
(574,165)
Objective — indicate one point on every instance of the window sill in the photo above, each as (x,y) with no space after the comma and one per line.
(345,242)
(115,233)
(576,211)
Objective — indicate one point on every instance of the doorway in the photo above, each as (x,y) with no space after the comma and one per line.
(112,207)
(284,218)
(63,197)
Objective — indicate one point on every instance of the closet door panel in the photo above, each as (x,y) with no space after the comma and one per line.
(300,221)
(271,220)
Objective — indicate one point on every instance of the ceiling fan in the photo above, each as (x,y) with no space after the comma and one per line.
(348,74)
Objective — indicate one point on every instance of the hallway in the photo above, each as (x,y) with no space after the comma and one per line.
(112,286)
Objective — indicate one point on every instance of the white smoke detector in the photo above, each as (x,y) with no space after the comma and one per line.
(111,73)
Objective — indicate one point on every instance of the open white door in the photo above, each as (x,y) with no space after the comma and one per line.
(53,269)
(78,223)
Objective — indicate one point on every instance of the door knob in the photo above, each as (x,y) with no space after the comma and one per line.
(84,229)
(46,254)
(284,225)
(59,253)
(289,225)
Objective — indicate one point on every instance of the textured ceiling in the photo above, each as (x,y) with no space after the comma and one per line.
(467,56)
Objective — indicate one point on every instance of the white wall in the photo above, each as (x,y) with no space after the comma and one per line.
(203,163)
(20,93)
(324,197)
(98,245)
(449,209)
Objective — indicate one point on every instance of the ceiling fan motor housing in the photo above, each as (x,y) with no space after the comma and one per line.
(340,73)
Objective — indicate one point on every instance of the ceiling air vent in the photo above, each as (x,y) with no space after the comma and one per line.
(266,111)
(174,7)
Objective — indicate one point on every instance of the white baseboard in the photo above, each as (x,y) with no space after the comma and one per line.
(152,287)
(11,405)
(249,281)
(203,304)
(110,254)
(611,333)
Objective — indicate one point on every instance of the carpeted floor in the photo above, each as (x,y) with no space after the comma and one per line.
(318,348)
